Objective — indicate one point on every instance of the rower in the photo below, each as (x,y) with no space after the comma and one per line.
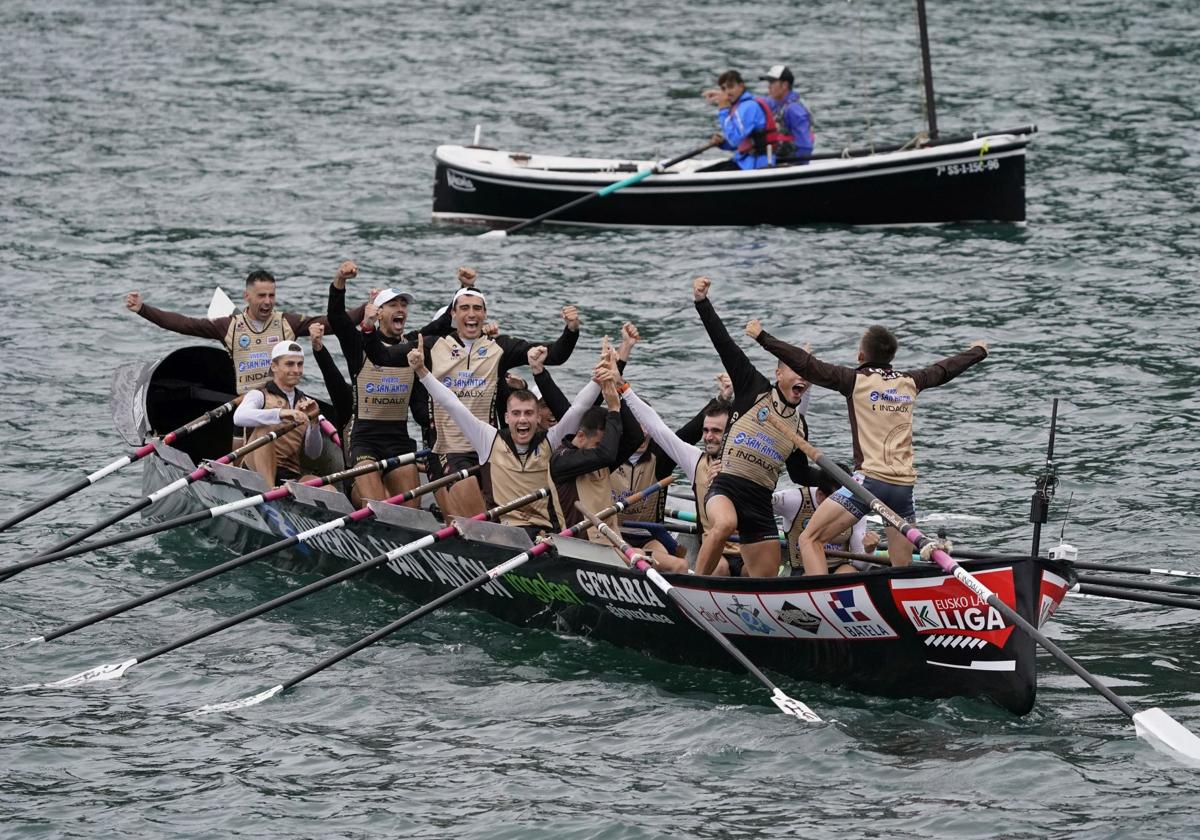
(756,451)
(650,462)
(382,394)
(472,365)
(517,456)
(881,403)
(248,335)
(700,465)
(266,408)
(796,505)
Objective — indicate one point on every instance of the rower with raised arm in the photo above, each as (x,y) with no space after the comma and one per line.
(472,365)
(517,456)
(382,395)
(280,401)
(757,447)
(248,335)
(881,402)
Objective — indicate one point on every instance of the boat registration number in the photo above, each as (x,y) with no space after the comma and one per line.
(970,168)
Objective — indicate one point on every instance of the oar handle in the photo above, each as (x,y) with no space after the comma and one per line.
(409,495)
(203,420)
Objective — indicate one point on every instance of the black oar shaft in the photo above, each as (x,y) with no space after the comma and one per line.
(21,516)
(1141,597)
(1149,586)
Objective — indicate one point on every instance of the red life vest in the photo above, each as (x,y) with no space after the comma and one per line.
(765,142)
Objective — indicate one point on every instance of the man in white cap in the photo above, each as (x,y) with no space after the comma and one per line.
(383,394)
(274,404)
(791,116)
(473,365)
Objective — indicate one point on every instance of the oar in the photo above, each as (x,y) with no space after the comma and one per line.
(1088,590)
(329,429)
(178,484)
(788,705)
(1156,726)
(220,510)
(1149,586)
(661,166)
(1132,570)
(203,420)
(237,562)
(115,670)
(425,609)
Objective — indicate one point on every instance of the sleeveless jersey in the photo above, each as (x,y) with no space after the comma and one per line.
(884,400)
(288,447)
(754,448)
(594,491)
(251,350)
(513,476)
(382,393)
(471,375)
(627,480)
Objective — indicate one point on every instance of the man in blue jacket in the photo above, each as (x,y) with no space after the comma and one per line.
(792,118)
(744,121)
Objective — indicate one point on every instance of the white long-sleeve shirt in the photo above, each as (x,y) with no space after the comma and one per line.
(482,435)
(251,414)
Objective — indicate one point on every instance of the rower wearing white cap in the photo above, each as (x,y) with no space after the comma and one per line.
(280,401)
(473,365)
(792,118)
(382,393)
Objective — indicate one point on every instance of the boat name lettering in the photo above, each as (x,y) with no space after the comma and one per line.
(542,589)
(613,588)
(638,614)
(455,571)
(970,168)
(459,181)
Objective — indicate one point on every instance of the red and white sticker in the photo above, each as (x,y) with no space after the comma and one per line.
(950,615)
(1052,592)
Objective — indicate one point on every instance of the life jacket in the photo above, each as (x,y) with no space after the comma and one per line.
(766,141)
(289,446)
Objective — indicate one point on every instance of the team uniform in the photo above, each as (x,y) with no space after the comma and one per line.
(756,450)
(514,471)
(881,402)
(382,394)
(259,412)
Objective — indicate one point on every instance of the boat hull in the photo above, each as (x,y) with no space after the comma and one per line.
(911,633)
(977,181)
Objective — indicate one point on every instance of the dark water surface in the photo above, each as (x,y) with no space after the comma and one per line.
(171,147)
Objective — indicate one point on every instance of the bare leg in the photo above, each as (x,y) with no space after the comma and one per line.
(899,549)
(722,519)
(762,558)
(463,498)
(369,486)
(829,520)
(401,480)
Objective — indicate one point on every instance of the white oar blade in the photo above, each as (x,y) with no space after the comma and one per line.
(792,706)
(221,305)
(494,235)
(32,641)
(110,671)
(244,703)
(1168,735)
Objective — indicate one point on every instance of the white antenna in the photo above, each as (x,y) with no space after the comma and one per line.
(478,132)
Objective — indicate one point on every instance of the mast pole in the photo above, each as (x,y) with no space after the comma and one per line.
(927,71)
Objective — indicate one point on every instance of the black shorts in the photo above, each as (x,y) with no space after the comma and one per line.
(755,516)
(450,462)
(372,443)
(283,474)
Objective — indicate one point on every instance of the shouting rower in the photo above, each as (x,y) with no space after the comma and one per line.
(881,403)
(756,451)
(382,394)
(517,456)
(472,365)
(280,401)
(248,335)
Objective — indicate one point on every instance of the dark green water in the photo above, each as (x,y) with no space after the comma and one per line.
(171,147)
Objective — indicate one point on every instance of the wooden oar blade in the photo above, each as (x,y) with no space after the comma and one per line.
(1168,735)
(244,703)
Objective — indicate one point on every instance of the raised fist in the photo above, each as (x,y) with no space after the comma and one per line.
(466,277)
(700,288)
(537,358)
(316,332)
(571,315)
(754,328)
(133,301)
(345,271)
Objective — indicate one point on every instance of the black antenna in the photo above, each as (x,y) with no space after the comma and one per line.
(1046,482)
(1063,533)
(927,71)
